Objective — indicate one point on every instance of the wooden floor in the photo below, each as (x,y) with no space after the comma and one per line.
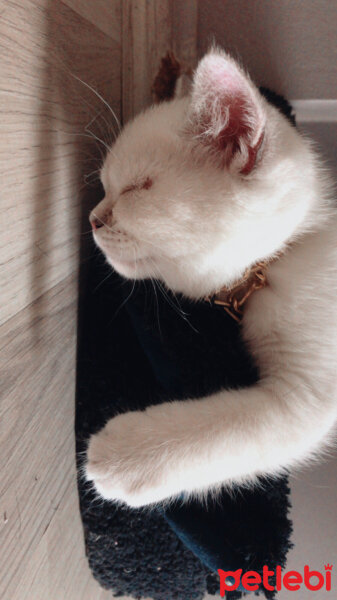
(41,549)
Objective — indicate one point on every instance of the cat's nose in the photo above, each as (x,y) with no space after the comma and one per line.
(96,223)
(100,218)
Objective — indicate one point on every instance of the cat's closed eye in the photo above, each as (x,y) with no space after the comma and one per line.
(145,184)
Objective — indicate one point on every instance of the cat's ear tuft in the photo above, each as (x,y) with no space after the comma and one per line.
(227,112)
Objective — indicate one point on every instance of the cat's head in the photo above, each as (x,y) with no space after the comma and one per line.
(199,188)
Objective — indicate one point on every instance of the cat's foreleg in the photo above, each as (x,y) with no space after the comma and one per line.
(194,445)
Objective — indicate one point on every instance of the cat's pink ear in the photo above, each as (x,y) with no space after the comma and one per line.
(227,112)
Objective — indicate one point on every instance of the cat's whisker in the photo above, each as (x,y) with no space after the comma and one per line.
(177,306)
(94,118)
(95,137)
(135,259)
(103,281)
(88,133)
(126,299)
(109,126)
(93,172)
(107,130)
(157,303)
(86,232)
(88,181)
(91,257)
(100,98)
(88,136)
(76,134)
(88,130)
(91,160)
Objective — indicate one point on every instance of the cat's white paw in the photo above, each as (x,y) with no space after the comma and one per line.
(128,461)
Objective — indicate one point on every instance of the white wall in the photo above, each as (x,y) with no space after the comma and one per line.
(289,45)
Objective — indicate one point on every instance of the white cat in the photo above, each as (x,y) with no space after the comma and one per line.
(199,189)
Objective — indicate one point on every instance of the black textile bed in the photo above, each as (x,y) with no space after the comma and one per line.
(142,348)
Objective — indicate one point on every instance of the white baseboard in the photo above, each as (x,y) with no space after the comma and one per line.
(315,111)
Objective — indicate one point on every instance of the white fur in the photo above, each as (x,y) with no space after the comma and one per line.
(199,227)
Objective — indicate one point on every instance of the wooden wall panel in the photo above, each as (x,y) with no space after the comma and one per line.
(45,152)
(150,29)
(44,112)
(185,31)
(104,14)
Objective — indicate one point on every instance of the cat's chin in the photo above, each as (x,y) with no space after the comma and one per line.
(132,269)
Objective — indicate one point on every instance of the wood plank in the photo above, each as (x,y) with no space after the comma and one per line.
(45,150)
(44,155)
(36,431)
(147,35)
(185,31)
(72,578)
(41,538)
(106,15)
(150,29)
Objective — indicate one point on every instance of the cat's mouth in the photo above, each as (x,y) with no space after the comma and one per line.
(135,268)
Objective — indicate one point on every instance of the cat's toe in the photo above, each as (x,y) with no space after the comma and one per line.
(98,460)
(100,466)
(103,480)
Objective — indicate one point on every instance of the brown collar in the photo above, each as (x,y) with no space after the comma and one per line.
(233,298)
